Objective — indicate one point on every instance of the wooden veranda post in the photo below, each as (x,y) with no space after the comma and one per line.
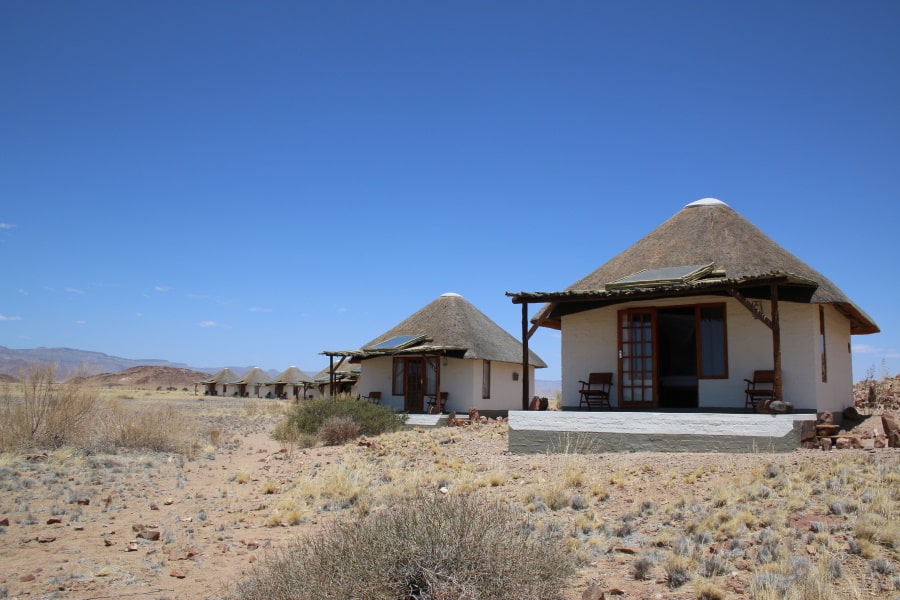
(331,375)
(525,378)
(776,345)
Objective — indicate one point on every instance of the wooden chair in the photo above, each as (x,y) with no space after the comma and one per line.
(759,389)
(595,391)
(433,404)
(373,397)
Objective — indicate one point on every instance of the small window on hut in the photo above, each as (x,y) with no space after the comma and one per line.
(397,386)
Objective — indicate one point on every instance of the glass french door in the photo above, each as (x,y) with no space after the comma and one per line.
(414,387)
(637,358)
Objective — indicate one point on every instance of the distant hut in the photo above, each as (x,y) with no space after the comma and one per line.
(253,381)
(447,350)
(291,381)
(217,385)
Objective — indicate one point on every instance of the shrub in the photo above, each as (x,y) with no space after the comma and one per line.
(372,419)
(44,413)
(438,547)
(336,431)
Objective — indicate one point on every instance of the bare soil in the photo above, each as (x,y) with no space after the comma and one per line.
(159,525)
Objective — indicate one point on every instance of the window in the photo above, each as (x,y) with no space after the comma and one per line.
(397,387)
(712,341)
(822,344)
(486,380)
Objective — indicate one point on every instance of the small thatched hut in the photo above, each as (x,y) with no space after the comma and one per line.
(690,311)
(217,385)
(251,383)
(290,382)
(448,347)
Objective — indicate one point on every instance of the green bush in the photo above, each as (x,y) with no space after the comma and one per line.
(372,419)
(442,548)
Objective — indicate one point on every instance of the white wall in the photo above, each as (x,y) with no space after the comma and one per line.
(460,378)
(590,344)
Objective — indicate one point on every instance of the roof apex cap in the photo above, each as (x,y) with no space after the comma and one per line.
(450,295)
(706,202)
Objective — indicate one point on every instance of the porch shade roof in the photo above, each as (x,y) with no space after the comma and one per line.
(703,232)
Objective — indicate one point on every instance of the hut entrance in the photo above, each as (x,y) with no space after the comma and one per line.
(677,333)
(660,354)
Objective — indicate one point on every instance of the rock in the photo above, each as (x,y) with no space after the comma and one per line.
(780,408)
(826,443)
(178,574)
(843,443)
(149,534)
(46,539)
(26,578)
(535,403)
(84,501)
(4,522)
(594,592)
(851,414)
(545,403)
(826,418)
(891,430)
(807,431)
(54,521)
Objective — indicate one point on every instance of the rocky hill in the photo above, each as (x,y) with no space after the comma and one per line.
(147,377)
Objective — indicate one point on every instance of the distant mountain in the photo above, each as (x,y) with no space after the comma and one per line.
(71,362)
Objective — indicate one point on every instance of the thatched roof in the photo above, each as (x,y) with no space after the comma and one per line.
(703,232)
(291,375)
(254,376)
(452,326)
(226,375)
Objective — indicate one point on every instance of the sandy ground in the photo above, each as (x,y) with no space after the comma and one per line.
(157,525)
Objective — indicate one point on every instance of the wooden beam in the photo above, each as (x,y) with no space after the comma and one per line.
(331,375)
(525,336)
(777,387)
(754,309)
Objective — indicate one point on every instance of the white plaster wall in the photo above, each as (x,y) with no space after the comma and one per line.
(590,344)
(837,393)
(460,378)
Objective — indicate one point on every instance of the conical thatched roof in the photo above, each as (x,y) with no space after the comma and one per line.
(291,375)
(254,376)
(226,375)
(453,325)
(704,232)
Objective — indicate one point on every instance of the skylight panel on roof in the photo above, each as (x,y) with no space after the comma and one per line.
(398,342)
(663,276)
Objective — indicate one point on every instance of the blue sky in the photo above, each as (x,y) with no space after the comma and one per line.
(250,183)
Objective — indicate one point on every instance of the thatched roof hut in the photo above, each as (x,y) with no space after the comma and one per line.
(705,232)
(451,325)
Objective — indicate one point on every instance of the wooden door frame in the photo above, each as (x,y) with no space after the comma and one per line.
(654,386)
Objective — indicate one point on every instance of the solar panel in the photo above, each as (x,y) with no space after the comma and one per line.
(662,276)
(395,343)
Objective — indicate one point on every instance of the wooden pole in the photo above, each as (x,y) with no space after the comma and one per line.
(331,375)
(776,345)
(525,383)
